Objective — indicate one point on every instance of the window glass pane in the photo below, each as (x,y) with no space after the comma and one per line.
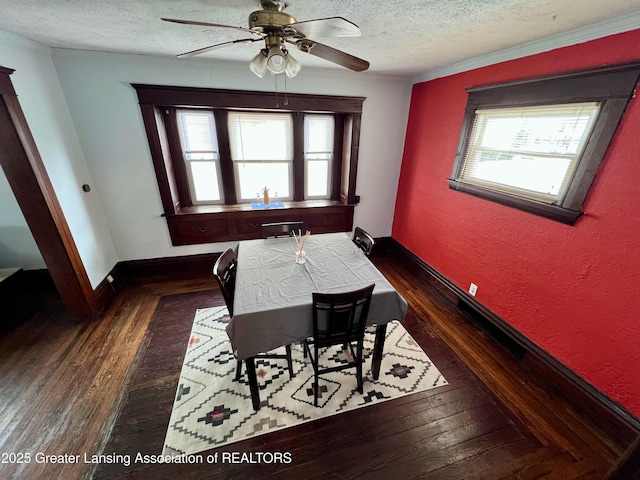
(317,178)
(552,130)
(204,177)
(538,174)
(534,150)
(253,177)
(318,136)
(198,135)
(260,136)
(318,153)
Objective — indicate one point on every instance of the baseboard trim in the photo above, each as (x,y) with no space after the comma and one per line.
(382,245)
(199,265)
(159,268)
(602,408)
(106,290)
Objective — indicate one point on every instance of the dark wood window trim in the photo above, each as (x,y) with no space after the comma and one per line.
(613,86)
(158,105)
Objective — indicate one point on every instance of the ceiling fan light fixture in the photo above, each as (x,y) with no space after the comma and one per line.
(258,64)
(293,66)
(276,61)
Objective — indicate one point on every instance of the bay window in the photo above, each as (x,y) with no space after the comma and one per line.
(214,151)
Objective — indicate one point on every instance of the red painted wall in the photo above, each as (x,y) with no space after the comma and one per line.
(573,290)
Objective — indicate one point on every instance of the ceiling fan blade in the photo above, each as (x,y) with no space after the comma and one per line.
(327,27)
(331,54)
(217,45)
(257,30)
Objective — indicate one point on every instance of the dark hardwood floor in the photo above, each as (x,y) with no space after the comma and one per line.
(107,386)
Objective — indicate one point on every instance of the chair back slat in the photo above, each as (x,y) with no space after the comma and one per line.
(363,240)
(340,317)
(224,272)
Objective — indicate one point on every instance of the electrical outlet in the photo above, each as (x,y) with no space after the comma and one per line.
(109,279)
(473,289)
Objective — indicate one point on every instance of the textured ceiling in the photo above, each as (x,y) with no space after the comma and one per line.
(402,37)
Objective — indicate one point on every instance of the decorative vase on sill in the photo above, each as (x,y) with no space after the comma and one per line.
(265,195)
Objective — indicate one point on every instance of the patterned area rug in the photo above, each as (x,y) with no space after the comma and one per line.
(211,409)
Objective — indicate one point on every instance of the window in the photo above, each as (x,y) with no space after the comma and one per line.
(200,148)
(536,145)
(531,152)
(214,150)
(318,155)
(262,153)
(261,148)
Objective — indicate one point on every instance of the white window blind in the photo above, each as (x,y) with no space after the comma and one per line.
(261,147)
(200,149)
(318,155)
(255,136)
(530,152)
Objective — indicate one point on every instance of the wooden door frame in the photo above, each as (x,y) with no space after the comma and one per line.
(28,178)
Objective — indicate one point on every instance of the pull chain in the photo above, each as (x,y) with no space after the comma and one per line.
(286,98)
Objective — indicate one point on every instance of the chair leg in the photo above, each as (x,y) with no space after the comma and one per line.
(289,361)
(316,377)
(359,368)
(238,370)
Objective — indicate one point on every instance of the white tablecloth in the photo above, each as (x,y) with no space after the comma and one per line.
(273,305)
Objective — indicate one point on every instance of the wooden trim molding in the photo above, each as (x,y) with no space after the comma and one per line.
(210,97)
(611,86)
(34,192)
(603,409)
(192,265)
(6,87)
(110,285)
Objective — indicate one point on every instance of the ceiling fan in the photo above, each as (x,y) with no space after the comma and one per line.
(278,28)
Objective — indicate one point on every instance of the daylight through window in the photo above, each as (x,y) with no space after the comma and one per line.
(261,147)
(200,148)
(318,155)
(531,152)
(262,153)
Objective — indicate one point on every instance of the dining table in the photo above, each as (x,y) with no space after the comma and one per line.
(273,294)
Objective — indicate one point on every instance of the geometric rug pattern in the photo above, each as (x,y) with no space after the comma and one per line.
(211,409)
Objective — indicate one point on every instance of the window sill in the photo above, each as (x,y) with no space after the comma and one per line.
(246,207)
(220,223)
(552,212)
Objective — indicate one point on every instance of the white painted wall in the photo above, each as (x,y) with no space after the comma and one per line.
(41,98)
(17,246)
(104,108)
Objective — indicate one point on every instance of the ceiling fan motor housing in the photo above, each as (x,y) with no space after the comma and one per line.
(270,20)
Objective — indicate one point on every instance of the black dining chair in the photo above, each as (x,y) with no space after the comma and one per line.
(363,240)
(281,229)
(339,319)
(224,271)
